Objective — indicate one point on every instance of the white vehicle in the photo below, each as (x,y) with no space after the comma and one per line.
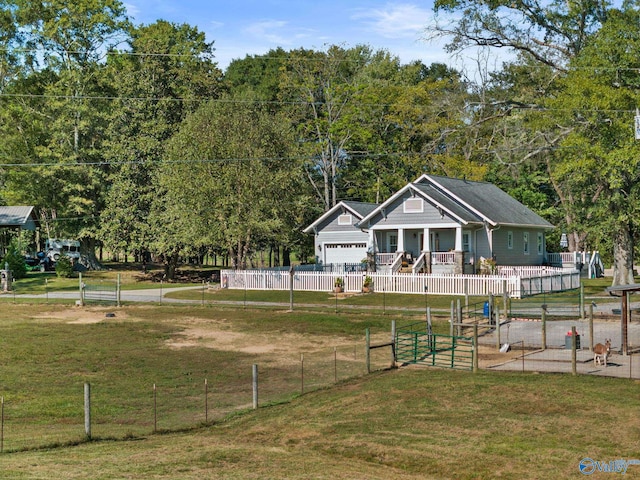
(54,248)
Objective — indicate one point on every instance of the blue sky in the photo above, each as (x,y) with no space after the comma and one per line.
(253,27)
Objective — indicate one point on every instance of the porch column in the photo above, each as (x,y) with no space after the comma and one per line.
(400,240)
(458,239)
(459,254)
(372,249)
(426,247)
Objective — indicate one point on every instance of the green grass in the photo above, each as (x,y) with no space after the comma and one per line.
(406,424)
(410,423)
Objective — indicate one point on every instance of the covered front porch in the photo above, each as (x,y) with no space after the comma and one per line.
(423,250)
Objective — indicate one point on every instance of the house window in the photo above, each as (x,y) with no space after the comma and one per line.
(525,242)
(539,243)
(510,240)
(466,242)
(344,219)
(413,205)
(393,242)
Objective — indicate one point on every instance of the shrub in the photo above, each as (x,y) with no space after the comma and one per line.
(15,259)
(64,267)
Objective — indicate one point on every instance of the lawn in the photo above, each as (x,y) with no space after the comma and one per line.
(320,415)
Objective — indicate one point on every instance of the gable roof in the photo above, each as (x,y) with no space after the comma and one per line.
(496,206)
(19,216)
(358,209)
(470,202)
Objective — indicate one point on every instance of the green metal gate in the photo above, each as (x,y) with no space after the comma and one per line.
(415,345)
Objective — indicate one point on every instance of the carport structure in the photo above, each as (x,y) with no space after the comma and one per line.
(624,291)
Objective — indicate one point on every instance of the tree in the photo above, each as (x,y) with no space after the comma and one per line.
(63,109)
(230,183)
(164,74)
(319,86)
(550,41)
(600,158)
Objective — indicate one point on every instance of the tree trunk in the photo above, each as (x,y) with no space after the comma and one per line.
(88,253)
(623,257)
(171,265)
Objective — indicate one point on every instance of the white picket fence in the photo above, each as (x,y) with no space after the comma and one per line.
(481,285)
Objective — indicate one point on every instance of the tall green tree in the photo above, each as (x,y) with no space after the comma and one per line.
(229,182)
(61,103)
(600,156)
(167,71)
(549,40)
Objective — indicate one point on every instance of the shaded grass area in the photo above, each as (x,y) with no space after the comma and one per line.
(406,424)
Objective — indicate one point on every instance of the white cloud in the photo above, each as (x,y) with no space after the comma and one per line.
(132,10)
(395,20)
(268,30)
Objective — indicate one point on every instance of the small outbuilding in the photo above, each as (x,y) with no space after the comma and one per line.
(14,219)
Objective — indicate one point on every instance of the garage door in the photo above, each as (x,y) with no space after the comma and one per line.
(344,252)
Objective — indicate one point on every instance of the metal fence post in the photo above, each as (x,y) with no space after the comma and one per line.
(475,348)
(574,343)
(393,342)
(543,315)
(591,327)
(497,323)
(368,352)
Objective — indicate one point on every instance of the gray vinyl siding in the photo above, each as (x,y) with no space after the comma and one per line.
(331,224)
(395,215)
(330,232)
(516,255)
(482,245)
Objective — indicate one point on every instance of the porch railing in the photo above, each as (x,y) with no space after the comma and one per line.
(419,263)
(385,258)
(443,258)
(397,263)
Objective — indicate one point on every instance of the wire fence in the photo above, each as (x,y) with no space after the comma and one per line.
(55,414)
(548,346)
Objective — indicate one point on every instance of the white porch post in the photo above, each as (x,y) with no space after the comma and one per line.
(426,242)
(400,240)
(426,247)
(458,239)
(372,241)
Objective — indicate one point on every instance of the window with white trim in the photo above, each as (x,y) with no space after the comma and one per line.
(345,219)
(510,240)
(540,243)
(525,242)
(413,205)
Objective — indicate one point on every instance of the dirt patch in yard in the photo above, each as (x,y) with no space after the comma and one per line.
(220,336)
(489,356)
(82,315)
